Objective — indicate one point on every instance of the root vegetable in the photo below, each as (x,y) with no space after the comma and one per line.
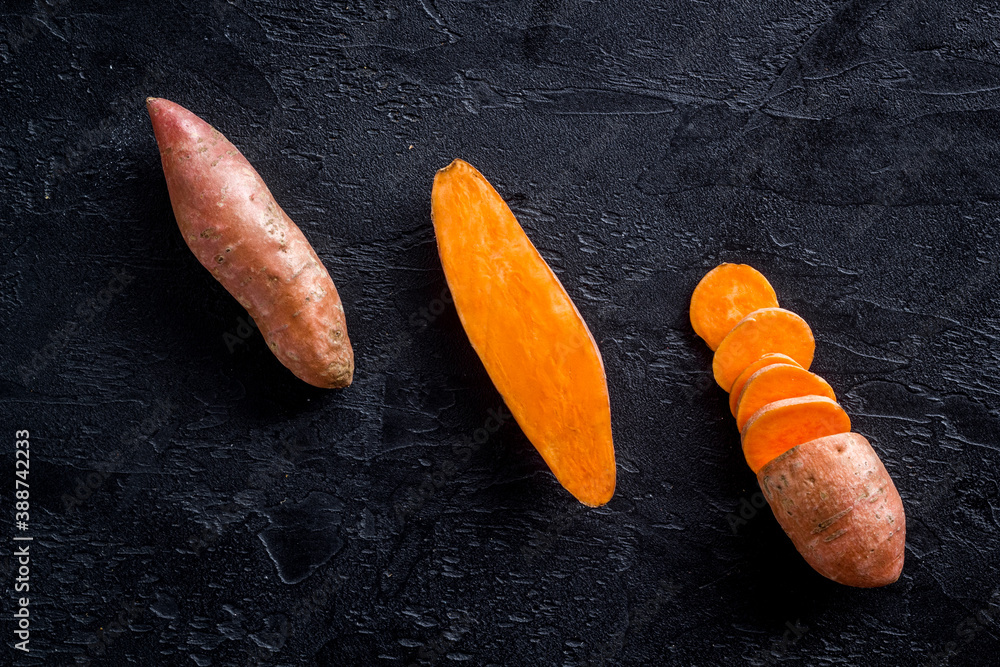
(777,382)
(837,503)
(726,295)
(779,426)
(825,485)
(523,325)
(237,231)
(763,362)
(761,332)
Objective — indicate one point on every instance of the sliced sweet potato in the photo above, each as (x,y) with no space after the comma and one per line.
(826,485)
(779,426)
(726,295)
(777,382)
(763,362)
(527,331)
(841,510)
(759,333)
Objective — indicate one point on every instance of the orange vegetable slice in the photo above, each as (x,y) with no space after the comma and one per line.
(759,333)
(523,325)
(782,425)
(726,295)
(775,383)
(763,362)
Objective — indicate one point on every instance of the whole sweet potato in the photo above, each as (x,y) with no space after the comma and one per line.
(238,232)
(839,506)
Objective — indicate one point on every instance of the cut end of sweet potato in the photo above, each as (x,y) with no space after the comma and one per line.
(782,425)
(775,383)
(726,295)
(838,505)
(762,332)
(767,360)
(526,330)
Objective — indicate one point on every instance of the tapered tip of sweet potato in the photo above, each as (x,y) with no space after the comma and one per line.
(458,166)
(153,105)
(457,163)
(596,492)
(337,374)
(340,375)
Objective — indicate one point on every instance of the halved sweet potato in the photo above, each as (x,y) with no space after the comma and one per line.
(762,331)
(763,362)
(531,338)
(775,383)
(779,426)
(726,295)
(841,510)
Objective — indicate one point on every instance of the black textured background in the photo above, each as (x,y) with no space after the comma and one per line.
(194,503)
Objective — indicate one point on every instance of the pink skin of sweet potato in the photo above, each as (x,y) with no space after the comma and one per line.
(837,503)
(238,232)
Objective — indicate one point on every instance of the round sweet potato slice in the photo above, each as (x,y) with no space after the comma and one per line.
(838,505)
(775,383)
(763,362)
(761,332)
(726,295)
(779,426)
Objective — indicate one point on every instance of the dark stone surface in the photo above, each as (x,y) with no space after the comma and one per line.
(229,514)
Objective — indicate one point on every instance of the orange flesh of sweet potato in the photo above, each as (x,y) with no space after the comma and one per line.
(528,333)
(826,486)
(837,503)
(237,231)
(763,362)
(775,383)
(726,295)
(762,331)
(779,426)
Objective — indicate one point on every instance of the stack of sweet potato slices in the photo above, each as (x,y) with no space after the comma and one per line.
(826,485)
(762,357)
